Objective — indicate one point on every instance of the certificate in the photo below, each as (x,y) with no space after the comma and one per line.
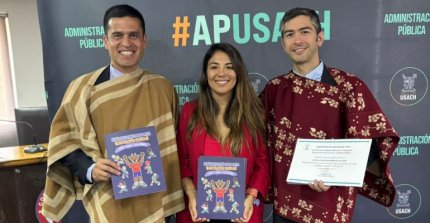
(337,162)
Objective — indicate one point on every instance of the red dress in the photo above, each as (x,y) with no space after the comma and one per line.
(339,107)
(202,144)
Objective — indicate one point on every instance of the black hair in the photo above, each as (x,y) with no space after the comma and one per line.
(119,11)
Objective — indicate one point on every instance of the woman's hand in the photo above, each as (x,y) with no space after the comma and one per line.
(248,209)
(192,207)
(191,193)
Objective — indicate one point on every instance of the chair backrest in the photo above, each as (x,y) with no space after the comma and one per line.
(8,134)
(37,117)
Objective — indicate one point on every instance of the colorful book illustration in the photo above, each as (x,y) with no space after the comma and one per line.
(136,151)
(221,187)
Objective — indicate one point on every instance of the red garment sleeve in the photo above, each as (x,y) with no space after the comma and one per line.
(181,139)
(260,178)
(265,99)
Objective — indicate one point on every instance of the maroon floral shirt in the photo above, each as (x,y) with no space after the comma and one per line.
(298,107)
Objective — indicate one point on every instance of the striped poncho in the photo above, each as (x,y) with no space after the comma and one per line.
(85,116)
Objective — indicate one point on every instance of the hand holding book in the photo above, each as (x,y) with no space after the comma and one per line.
(191,193)
(247,212)
(103,170)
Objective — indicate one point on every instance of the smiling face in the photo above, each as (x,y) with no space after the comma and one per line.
(221,75)
(301,41)
(125,42)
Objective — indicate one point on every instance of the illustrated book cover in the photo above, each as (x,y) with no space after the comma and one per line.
(136,151)
(221,187)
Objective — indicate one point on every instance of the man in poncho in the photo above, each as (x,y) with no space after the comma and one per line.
(118,97)
(315,101)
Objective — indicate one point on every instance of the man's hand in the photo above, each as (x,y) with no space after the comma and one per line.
(103,169)
(318,185)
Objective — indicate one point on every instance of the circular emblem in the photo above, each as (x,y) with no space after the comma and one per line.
(406,203)
(39,216)
(258,81)
(408,86)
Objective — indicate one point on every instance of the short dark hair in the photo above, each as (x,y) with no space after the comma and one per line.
(312,14)
(119,11)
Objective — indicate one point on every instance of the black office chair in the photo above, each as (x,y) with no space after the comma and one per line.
(8,134)
(32,120)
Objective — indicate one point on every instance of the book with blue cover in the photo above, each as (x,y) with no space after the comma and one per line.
(221,187)
(137,152)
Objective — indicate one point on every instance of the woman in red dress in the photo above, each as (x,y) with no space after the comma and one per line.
(225,120)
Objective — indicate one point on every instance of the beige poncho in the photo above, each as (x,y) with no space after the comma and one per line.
(89,112)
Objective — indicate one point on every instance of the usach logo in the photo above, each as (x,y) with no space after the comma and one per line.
(408,86)
(258,81)
(407,202)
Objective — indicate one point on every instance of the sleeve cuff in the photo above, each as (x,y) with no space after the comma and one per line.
(253,192)
(89,173)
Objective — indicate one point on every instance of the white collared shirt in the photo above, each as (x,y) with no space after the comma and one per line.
(314,74)
(114,73)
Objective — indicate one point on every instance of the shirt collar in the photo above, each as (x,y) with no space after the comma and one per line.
(115,73)
(314,74)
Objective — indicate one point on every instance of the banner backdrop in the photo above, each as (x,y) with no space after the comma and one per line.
(385,42)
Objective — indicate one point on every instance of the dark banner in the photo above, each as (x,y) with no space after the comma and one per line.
(384,42)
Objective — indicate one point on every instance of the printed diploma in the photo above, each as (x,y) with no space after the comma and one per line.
(337,162)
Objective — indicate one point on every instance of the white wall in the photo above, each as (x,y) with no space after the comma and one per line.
(26,51)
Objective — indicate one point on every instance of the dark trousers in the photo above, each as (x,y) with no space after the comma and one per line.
(280,219)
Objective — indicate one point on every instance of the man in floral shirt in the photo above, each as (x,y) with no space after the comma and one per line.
(316,101)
